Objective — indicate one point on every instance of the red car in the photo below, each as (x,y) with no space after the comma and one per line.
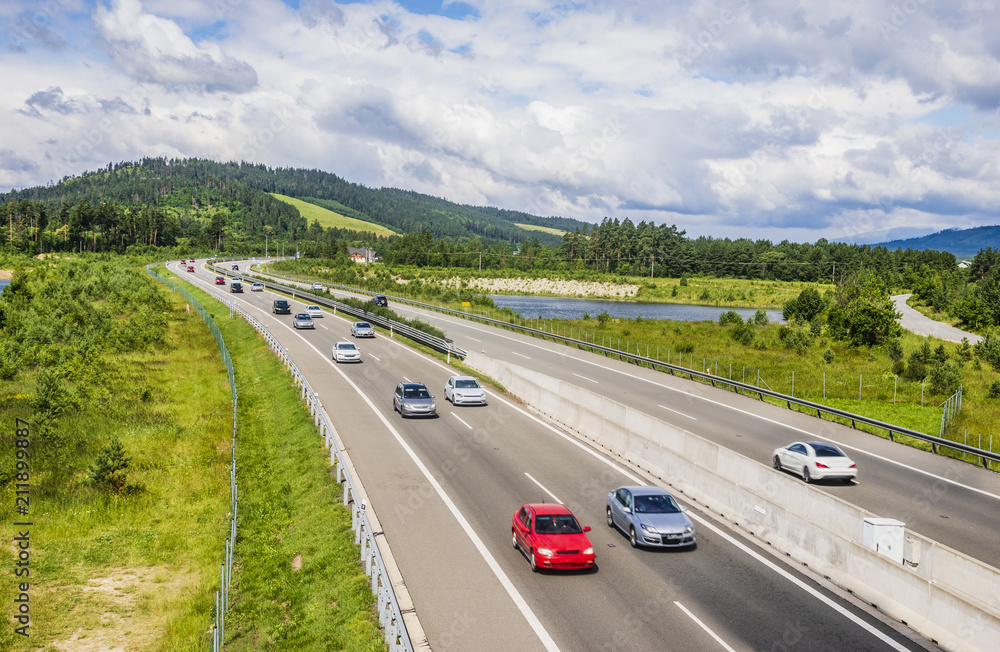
(219,280)
(183,262)
(190,268)
(551,537)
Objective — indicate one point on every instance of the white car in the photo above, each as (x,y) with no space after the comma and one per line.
(314,311)
(257,287)
(464,390)
(346,352)
(317,286)
(815,460)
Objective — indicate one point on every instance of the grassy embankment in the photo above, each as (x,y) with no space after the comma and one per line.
(543,229)
(858,380)
(329,218)
(140,571)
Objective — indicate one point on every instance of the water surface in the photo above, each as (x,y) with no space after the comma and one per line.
(567,308)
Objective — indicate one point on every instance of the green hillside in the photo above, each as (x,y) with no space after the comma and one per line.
(964,243)
(328,218)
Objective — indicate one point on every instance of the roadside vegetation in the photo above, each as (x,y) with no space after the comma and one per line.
(131,424)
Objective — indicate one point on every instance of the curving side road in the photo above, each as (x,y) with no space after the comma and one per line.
(924,325)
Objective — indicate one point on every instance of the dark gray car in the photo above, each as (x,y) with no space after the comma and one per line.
(650,517)
(414,400)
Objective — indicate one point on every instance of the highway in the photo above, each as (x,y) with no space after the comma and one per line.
(445,489)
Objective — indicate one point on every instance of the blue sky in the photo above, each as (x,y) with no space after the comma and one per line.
(731,118)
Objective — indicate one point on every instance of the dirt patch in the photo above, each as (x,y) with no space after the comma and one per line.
(6,274)
(115,610)
(297,563)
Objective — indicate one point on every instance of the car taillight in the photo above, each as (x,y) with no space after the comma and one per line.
(853,466)
(820,465)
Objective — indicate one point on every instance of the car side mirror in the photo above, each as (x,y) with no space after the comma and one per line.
(586,528)
(627,510)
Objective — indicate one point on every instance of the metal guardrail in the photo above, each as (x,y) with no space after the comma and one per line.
(431,341)
(226,572)
(892,430)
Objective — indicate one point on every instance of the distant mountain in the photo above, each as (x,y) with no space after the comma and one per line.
(964,243)
(884,235)
(186,187)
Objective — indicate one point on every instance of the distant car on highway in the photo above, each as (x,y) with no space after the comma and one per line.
(464,390)
(281,307)
(183,262)
(380,300)
(190,268)
(236,267)
(362,329)
(650,517)
(346,352)
(257,287)
(815,460)
(315,312)
(413,400)
(220,280)
(317,286)
(551,537)
(303,320)
(236,286)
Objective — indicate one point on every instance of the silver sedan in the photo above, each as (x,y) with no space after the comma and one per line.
(815,460)
(650,517)
(303,320)
(362,329)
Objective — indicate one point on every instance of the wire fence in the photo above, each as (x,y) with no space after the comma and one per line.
(226,569)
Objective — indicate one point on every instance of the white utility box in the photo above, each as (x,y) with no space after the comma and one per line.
(884,536)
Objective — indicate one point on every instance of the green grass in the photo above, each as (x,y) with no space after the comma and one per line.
(327,217)
(290,505)
(136,570)
(543,229)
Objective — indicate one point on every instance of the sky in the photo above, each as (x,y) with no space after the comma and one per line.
(771,119)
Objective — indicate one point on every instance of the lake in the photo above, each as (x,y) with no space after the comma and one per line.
(3,284)
(566,308)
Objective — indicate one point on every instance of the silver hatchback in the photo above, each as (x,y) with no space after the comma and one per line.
(650,517)
(413,400)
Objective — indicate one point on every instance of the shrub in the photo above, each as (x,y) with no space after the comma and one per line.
(915,370)
(743,334)
(730,317)
(994,391)
(109,470)
(602,319)
(804,307)
(898,367)
(687,347)
(760,318)
(894,349)
(945,378)
(684,281)
(828,356)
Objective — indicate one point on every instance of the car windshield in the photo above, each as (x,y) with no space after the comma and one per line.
(826,450)
(281,303)
(466,384)
(557,524)
(302,315)
(363,324)
(656,505)
(416,392)
(346,347)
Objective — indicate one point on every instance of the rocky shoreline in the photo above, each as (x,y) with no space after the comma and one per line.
(546,287)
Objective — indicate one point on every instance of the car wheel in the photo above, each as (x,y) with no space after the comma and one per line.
(513,540)
(531,559)
(611,520)
(777,463)
(805,474)
(631,537)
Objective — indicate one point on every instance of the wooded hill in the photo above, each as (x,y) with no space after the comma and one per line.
(964,243)
(162,202)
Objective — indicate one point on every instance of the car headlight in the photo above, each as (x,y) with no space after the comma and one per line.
(544,551)
(433,406)
(649,528)
(688,530)
(589,551)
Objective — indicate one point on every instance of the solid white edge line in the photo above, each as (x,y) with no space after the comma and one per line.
(519,601)
(544,488)
(757,416)
(704,626)
(799,583)
(462,420)
(676,412)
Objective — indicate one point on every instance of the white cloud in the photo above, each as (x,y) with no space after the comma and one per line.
(727,117)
